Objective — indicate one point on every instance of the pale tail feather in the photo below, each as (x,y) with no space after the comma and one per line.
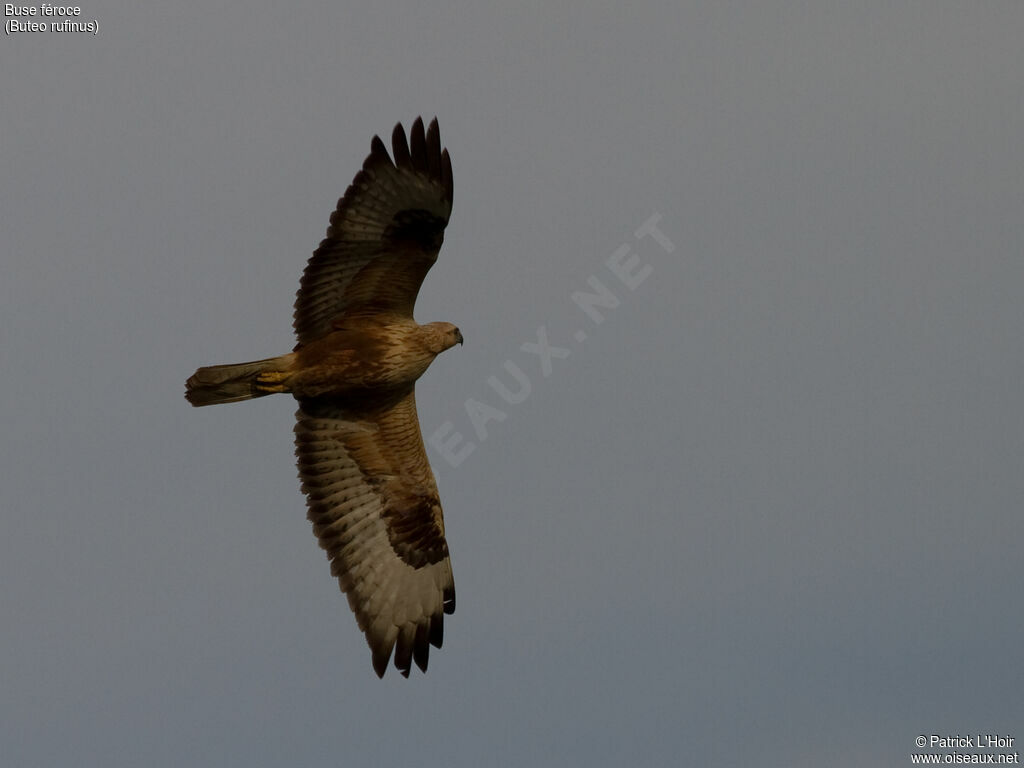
(231,383)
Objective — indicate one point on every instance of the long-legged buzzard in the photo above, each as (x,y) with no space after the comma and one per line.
(371,495)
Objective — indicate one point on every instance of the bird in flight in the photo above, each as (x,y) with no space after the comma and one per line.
(370,493)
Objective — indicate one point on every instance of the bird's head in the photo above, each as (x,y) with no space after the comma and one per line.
(443,336)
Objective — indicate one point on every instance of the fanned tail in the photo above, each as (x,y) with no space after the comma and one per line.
(239,381)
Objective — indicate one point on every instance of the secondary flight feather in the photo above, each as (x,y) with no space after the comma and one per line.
(370,493)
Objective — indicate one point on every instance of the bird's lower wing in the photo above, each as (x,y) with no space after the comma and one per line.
(375,510)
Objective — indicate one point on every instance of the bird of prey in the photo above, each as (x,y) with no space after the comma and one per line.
(370,493)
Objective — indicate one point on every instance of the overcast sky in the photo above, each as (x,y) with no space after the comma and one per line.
(762,506)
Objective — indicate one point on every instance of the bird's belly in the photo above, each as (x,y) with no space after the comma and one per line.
(342,373)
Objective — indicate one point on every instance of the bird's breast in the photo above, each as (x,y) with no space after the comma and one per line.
(345,362)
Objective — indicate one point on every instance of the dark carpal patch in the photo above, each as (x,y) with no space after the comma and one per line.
(413,532)
(420,227)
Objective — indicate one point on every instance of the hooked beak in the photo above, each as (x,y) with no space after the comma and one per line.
(458,337)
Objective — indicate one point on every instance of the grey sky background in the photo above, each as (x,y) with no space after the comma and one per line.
(766,513)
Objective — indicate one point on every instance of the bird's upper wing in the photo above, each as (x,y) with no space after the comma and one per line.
(374,507)
(384,235)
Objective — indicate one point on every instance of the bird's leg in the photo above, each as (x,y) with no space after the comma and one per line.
(270,382)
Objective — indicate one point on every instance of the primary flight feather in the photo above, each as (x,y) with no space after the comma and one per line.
(370,493)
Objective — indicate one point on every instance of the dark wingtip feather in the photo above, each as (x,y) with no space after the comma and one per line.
(421,151)
(418,145)
(449,600)
(403,656)
(421,645)
(434,149)
(381,651)
(378,153)
(400,147)
(437,630)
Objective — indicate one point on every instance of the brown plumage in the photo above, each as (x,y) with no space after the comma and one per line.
(370,493)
